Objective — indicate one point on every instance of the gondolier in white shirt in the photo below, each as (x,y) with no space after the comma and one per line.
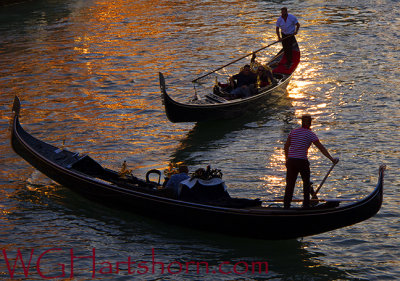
(296,149)
(288,26)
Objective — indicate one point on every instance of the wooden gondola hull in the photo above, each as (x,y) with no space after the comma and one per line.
(197,112)
(181,112)
(253,222)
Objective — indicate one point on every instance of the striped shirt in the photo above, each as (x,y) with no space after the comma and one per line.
(300,141)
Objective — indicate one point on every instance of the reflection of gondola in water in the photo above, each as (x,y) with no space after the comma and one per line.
(205,136)
(238,217)
(216,105)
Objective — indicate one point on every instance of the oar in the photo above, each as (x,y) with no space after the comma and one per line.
(232,62)
(312,200)
(323,181)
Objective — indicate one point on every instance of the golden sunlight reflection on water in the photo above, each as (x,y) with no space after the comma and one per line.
(103,83)
(99,78)
(87,76)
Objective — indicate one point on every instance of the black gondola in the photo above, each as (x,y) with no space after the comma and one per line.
(215,106)
(237,217)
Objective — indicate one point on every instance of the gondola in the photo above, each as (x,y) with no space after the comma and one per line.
(233,216)
(216,106)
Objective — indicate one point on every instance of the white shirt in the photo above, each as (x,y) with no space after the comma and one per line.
(288,26)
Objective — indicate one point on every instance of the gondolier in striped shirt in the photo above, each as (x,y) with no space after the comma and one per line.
(296,149)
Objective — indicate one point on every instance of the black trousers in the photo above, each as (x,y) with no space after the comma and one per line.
(287,45)
(294,167)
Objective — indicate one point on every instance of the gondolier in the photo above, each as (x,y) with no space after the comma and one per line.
(296,148)
(289,26)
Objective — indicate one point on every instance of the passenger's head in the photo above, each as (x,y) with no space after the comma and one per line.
(183,169)
(246,68)
(306,121)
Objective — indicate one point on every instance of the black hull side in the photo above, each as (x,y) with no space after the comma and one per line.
(181,112)
(262,222)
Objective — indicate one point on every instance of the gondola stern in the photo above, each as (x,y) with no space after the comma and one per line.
(379,187)
(164,96)
(16,106)
(373,202)
(163,88)
(15,139)
(162,83)
(382,169)
(170,105)
(377,194)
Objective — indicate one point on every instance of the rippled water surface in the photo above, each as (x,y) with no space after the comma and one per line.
(87,75)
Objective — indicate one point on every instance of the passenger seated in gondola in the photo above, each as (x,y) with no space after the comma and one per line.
(176,179)
(245,83)
(264,73)
(264,76)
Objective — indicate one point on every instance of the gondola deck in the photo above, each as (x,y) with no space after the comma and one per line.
(239,217)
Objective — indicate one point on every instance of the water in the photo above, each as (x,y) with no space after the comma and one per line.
(87,75)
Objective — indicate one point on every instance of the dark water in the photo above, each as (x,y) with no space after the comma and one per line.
(87,75)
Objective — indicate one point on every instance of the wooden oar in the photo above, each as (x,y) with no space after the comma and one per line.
(312,200)
(232,62)
(323,181)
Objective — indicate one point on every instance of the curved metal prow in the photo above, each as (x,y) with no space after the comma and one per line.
(162,83)
(16,105)
(382,169)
